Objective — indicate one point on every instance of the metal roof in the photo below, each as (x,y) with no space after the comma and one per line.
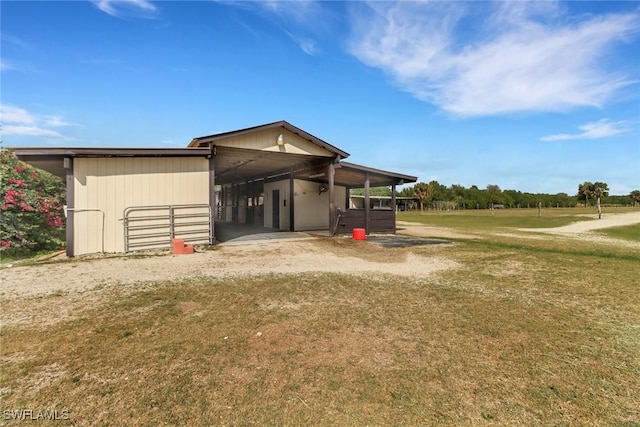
(51,159)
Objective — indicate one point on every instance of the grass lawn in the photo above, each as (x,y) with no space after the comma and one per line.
(524,332)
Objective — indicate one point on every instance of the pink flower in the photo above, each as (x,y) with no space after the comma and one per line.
(25,207)
(19,168)
(5,244)
(17,182)
(10,197)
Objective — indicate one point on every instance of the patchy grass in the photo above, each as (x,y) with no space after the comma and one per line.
(484,220)
(524,332)
(630,232)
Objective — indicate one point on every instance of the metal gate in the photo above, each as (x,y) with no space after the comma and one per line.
(153,227)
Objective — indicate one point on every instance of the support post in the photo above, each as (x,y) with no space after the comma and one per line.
(393,206)
(366,203)
(292,211)
(213,205)
(332,204)
(69,181)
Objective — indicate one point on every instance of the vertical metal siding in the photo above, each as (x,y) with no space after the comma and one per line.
(266,140)
(113,184)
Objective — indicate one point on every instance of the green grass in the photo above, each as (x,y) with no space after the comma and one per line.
(630,232)
(483,220)
(523,332)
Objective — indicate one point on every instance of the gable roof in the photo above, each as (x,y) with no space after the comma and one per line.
(205,141)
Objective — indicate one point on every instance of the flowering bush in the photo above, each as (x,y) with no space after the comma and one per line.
(31,208)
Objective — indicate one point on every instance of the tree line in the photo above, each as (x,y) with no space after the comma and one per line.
(433,195)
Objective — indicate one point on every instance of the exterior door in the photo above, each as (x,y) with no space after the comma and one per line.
(276,209)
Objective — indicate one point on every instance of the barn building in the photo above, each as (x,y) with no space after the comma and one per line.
(275,176)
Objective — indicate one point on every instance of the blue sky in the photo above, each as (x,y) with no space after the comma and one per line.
(532,96)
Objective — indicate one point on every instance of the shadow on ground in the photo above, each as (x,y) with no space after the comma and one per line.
(396,241)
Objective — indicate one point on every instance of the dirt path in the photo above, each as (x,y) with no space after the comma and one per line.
(607,221)
(57,291)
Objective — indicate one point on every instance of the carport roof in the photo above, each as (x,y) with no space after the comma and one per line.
(353,175)
(237,165)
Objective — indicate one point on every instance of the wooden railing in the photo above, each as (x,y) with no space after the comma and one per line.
(380,221)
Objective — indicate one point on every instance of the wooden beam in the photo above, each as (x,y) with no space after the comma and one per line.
(68,165)
(212,198)
(332,204)
(393,206)
(367,219)
(292,210)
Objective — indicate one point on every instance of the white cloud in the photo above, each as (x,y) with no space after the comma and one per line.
(526,56)
(5,66)
(596,130)
(120,8)
(308,46)
(30,131)
(20,122)
(11,114)
(55,121)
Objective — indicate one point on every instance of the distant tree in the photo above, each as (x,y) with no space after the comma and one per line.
(635,196)
(585,190)
(422,192)
(373,191)
(600,189)
(495,195)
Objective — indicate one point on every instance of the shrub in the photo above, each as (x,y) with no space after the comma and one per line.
(31,208)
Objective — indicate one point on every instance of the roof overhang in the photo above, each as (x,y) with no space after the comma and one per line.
(52,159)
(354,176)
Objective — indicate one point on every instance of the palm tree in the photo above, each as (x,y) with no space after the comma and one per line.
(600,189)
(585,190)
(422,192)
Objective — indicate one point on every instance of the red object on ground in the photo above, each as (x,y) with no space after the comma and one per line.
(359,234)
(178,247)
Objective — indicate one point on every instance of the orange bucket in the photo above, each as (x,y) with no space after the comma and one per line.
(359,234)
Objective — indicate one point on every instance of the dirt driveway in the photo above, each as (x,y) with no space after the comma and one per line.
(57,290)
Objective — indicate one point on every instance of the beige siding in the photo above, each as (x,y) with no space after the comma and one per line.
(312,207)
(283,186)
(109,185)
(267,140)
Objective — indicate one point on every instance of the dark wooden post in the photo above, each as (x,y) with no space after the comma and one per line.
(393,205)
(292,211)
(366,203)
(68,165)
(213,205)
(332,205)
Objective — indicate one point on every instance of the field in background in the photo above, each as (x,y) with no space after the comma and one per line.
(526,331)
(485,220)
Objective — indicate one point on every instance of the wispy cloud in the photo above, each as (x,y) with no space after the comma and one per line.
(299,19)
(523,57)
(31,131)
(5,66)
(596,130)
(308,46)
(123,8)
(20,122)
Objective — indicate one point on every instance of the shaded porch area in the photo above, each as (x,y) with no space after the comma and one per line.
(227,232)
